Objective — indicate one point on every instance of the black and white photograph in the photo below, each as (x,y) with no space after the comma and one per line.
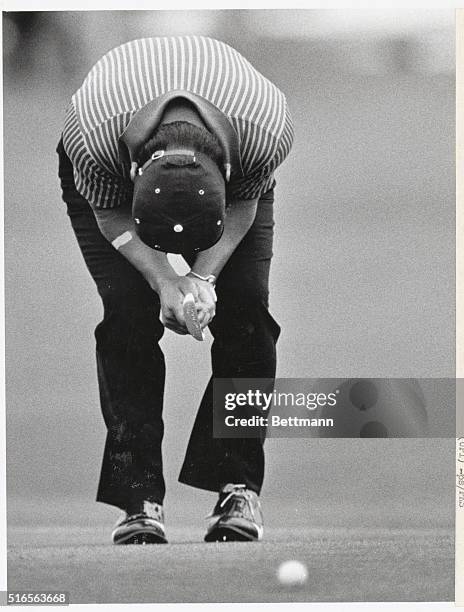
(230,306)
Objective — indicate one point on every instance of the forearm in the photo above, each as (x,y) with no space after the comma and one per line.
(239,219)
(152,264)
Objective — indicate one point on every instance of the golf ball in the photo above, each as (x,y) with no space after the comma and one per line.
(292,573)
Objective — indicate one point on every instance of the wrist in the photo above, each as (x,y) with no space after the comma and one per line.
(209,278)
(162,280)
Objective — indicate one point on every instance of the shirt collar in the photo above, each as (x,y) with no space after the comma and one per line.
(146,120)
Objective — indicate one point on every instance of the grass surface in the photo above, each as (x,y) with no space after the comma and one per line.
(343,565)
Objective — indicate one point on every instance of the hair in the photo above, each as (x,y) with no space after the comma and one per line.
(182,133)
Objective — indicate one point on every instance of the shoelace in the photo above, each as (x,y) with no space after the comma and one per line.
(140,515)
(132,517)
(238,491)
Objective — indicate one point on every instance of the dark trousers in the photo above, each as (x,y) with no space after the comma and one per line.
(131,367)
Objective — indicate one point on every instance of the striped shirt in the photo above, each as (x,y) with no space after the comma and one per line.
(130,76)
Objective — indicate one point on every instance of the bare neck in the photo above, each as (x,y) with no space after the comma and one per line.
(182,110)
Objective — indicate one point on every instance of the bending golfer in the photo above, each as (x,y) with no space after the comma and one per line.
(170,146)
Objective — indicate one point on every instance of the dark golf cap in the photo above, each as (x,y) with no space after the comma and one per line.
(179,201)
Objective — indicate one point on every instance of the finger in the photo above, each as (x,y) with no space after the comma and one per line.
(205,322)
(204,294)
(178,315)
(175,328)
(172,322)
(195,291)
(191,287)
(201,316)
(211,292)
(209,317)
(206,307)
(180,328)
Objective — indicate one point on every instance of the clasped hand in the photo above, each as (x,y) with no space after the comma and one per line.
(172,294)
